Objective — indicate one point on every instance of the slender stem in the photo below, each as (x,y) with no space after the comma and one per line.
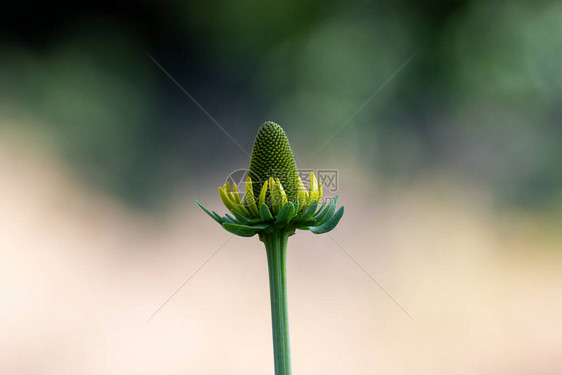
(276,248)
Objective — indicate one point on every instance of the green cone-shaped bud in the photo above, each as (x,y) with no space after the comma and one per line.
(272,157)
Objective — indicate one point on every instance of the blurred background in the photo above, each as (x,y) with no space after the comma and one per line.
(443,120)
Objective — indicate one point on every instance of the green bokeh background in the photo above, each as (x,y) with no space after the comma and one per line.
(481,96)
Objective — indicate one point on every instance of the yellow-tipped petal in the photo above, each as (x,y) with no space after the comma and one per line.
(250,199)
(263,193)
(239,206)
(319,192)
(304,201)
(275,196)
(232,198)
(242,209)
(301,193)
(236,193)
(225,200)
(229,195)
(248,183)
(313,190)
(282,193)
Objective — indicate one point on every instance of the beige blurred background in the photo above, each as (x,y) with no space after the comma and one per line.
(81,274)
(449,169)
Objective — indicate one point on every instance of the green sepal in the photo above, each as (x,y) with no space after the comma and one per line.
(219,217)
(305,224)
(265,214)
(239,229)
(286,214)
(230,219)
(309,212)
(321,209)
(243,219)
(324,216)
(297,206)
(218,220)
(328,225)
(261,226)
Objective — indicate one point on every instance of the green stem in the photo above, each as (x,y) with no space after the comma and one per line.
(276,248)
